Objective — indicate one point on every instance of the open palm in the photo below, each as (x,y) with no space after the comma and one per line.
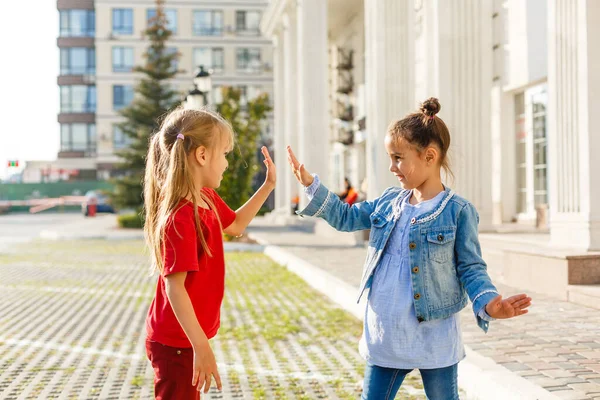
(300,172)
(508,308)
(271,176)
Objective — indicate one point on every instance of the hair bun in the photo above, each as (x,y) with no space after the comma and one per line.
(430,107)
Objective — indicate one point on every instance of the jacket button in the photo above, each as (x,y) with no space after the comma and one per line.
(413,220)
(178,351)
(376,220)
(416,270)
(420,319)
(417,296)
(440,237)
(412,245)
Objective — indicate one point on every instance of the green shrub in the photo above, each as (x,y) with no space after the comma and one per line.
(130,221)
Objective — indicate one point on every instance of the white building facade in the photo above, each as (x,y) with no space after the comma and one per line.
(515,80)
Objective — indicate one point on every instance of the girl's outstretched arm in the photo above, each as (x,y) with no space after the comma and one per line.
(248,211)
(327,205)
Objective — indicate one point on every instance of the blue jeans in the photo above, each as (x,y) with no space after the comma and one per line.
(383,383)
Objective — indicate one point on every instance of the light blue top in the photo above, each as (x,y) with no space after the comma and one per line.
(392,336)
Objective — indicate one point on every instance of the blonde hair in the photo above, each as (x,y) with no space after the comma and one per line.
(168,177)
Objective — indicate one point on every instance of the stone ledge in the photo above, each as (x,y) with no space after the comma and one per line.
(585,295)
(529,262)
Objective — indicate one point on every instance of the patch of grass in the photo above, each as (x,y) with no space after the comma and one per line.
(138,381)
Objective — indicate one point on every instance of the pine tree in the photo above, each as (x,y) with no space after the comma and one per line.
(154,98)
(247,121)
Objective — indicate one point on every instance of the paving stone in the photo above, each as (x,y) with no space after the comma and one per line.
(585,387)
(570,395)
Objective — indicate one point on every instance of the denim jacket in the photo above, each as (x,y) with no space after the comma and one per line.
(445,256)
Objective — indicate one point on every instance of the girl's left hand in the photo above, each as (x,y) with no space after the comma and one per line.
(508,308)
(271,177)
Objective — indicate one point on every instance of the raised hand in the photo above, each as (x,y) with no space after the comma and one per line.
(508,308)
(271,177)
(205,367)
(301,174)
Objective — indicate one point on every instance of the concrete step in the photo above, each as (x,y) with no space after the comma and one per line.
(585,295)
(530,262)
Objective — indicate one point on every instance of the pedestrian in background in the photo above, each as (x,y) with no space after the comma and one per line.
(423,260)
(185,218)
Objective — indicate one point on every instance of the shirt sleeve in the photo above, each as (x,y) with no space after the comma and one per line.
(226,214)
(485,316)
(181,243)
(312,189)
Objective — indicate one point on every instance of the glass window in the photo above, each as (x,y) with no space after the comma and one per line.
(122,21)
(120,140)
(65,137)
(78,137)
(171,16)
(521,152)
(539,102)
(248,60)
(208,23)
(122,96)
(77,23)
(210,58)
(77,61)
(122,59)
(175,62)
(77,99)
(247,22)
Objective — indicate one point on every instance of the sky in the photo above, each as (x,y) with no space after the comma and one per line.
(29,65)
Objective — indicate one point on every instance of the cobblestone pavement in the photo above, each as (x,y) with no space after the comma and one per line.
(72,327)
(556,345)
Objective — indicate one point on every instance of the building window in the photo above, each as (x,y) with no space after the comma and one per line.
(521,152)
(539,102)
(175,62)
(171,16)
(122,59)
(77,23)
(248,60)
(531,149)
(78,137)
(120,139)
(122,21)
(247,23)
(208,23)
(167,52)
(210,58)
(77,99)
(122,96)
(77,61)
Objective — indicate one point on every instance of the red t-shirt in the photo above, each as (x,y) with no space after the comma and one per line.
(205,280)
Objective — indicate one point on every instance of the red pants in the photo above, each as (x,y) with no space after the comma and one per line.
(173,371)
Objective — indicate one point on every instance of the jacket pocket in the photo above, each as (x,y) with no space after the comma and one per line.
(378,222)
(441,244)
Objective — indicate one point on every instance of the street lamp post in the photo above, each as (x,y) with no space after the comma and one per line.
(198,97)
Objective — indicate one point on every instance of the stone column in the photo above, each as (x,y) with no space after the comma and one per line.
(312,88)
(279,142)
(463,48)
(290,110)
(388,83)
(573,127)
